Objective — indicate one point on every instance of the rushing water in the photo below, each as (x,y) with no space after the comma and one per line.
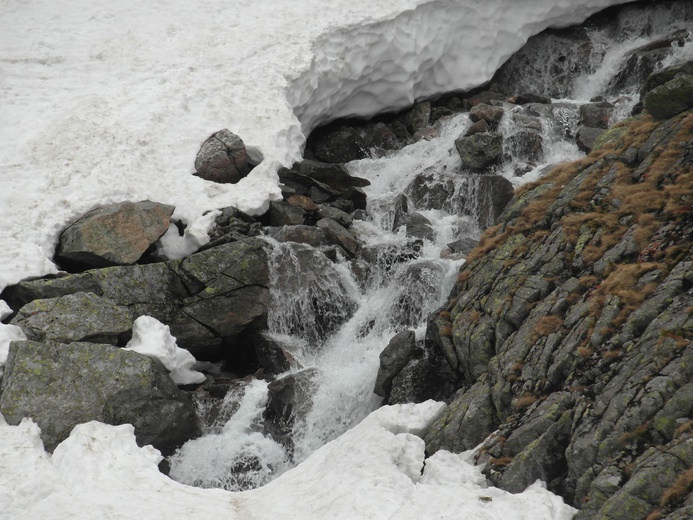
(336,317)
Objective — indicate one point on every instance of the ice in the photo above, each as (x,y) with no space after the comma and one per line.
(152,338)
(102,102)
(372,472)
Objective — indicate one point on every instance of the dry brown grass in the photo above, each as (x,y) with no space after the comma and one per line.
(584,352)
(524,402)
(679,489)
(683,429)
(446,331)
(500,461)
(544,326)
(638,434)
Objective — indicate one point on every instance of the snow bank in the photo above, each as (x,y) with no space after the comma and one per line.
(152,338)
(8,334)
(372,472)
(104,101)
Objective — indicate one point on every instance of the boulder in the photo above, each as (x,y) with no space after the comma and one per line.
(393,359)
(419,226)
(526,145)
(672,98)
(492,115)
(476,128)
(596,115)
(529,97)
(274,357)
(381,136)
(418,117)
(303,202)
(285,214)
(289,400)
(339,235)
(480,152)
(81,316)
(338,145)
(341,217)
(222,158)
(665,75)
(118,234)
(586,137)
(62,385)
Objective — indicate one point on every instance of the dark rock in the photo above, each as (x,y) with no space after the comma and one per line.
(230,226)
(336,214)
(478,127)
(586,137)
(118,234)
(62,385)
(222,158)
(381,136)
(75,317)
(596,115)
(672,98)
(492,115)
(426,134)
(419,226)
(285,214)
(528,97)
(659,78)
(301,234)
(418,117)
(339,145)
(463,245)
(400,209)
(274,357)
(485,98)
(526,145)
(339,235)
(289,400)
(480,152)
(393,359)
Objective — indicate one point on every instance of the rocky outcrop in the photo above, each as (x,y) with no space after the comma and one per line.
(208,299)
(118,234)
(62,385)
(570,329)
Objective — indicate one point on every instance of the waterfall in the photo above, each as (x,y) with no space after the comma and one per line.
(336,315)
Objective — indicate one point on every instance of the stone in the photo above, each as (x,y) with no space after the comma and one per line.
(665,75)
(274,357)
(82,316)
(310,235)
(285,214)
(480,152)
(303,202)
(672,98)
(418,117)
(339,235)
(476,128)
(339,145)
(118,234)
(341,217)
(381,136)
(419,226)
(492,115)
(526,145)
(596,115)
(62,385)
(222,158)
(529,97)
(393,359)
(485,97)
(586,137)
(289,401)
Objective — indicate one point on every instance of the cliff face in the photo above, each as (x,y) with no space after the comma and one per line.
(570,329)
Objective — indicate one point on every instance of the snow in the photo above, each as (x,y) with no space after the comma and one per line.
(8,334)
(152,338)
(103,101)
(372,472)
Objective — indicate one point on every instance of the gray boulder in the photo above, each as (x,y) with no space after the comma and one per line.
(672,98)
(393,359)
(340,145)
(222,158)
(118,234)
(480,152)
(339,235)
(80,316)
(62,385)
(489,113)
(586,137)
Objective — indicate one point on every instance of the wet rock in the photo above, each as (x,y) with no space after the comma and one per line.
(118,234)
(75,317)
(230,226)
(338,145)
(222,158)
(285,214)
(492,115)
(341,217)
(274,357)
(382,136)
(659,78)
(418,117)
(425,134)
(526,145)
(289,400)
(596,115)
(393,359)
(476,128)
(339,235)
(586,137)
(485,97)
(62,385)
(419,226)
(480,152)
(301,234)
(672,98)
(529,97)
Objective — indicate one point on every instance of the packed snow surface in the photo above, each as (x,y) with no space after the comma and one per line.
(105,101)
(372,472)
(152,338)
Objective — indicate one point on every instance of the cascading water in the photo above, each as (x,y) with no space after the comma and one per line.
(337,316)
